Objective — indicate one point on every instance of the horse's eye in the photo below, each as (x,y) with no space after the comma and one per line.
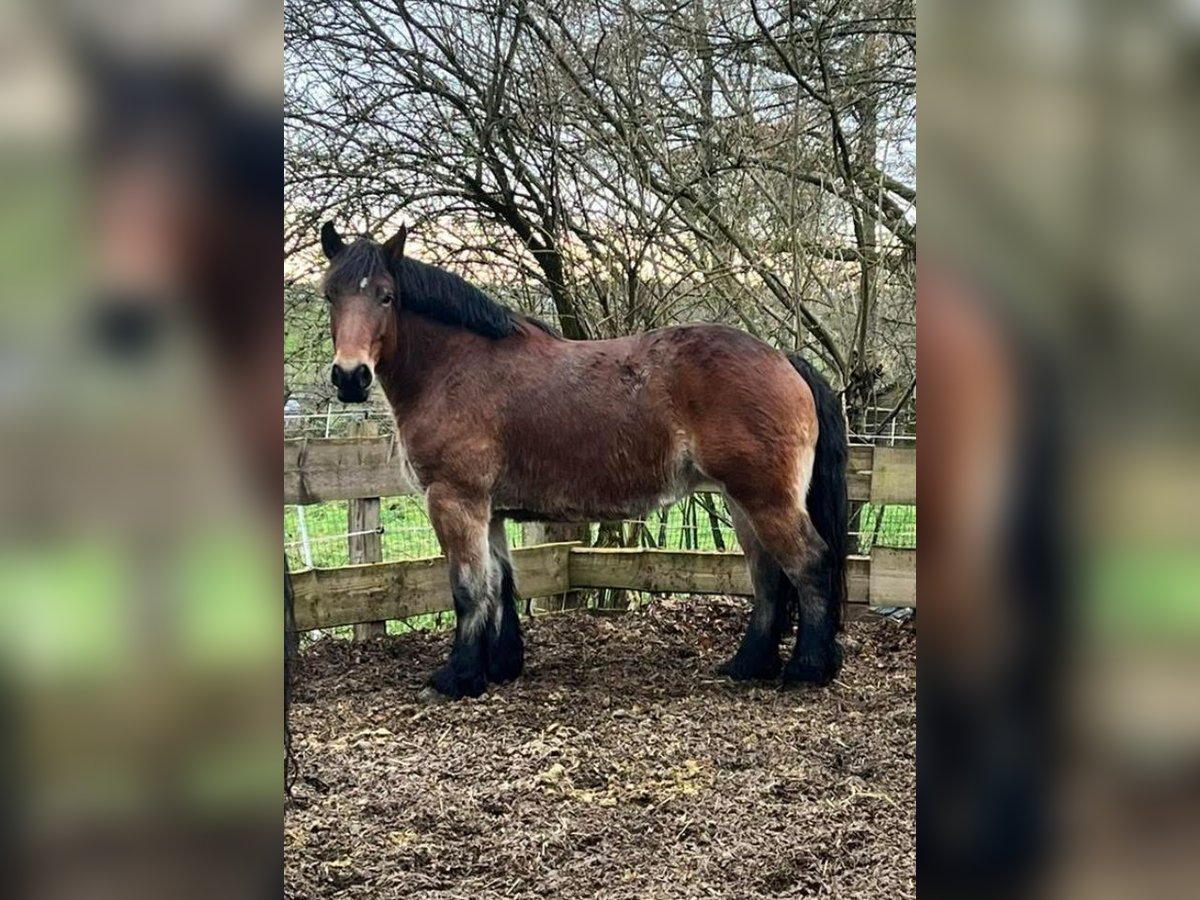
(386,299)
(329,300)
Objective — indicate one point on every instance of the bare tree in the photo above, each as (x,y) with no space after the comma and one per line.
(622,164)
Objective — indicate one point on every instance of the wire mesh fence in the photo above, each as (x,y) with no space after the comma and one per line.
(334,422)
(318,535)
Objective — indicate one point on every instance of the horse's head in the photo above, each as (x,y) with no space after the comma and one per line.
(360,286)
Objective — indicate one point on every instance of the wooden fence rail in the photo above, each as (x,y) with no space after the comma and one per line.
(365,468)
(370,593)
(317,470)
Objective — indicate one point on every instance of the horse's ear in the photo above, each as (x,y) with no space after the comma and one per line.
(394,246)
(331,241)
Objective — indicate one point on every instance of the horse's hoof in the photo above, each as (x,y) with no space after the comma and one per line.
(453,685)
(797,675)
(430,695)
(741,669)
(504,671)
(818,673)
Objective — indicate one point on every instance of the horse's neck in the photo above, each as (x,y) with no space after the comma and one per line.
(421,348)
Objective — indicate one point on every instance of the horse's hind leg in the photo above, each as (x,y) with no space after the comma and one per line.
(774,596)
(505,648)
(789,535)
(817,657)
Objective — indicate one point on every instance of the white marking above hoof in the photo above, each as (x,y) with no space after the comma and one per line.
(430,694)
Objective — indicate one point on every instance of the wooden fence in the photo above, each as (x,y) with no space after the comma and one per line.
(363,469)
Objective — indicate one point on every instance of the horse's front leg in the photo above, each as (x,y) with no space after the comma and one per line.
(461,523)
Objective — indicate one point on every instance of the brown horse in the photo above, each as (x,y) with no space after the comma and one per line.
(498,417)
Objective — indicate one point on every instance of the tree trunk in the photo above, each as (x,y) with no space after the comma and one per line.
(863,356)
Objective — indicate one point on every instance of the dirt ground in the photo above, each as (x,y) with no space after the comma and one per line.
(619,766)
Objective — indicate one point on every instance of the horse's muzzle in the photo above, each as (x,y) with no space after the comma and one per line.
(353,385)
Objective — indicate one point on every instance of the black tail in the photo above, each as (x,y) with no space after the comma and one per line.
(827,504)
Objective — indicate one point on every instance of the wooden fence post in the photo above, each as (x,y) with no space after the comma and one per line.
(366,543)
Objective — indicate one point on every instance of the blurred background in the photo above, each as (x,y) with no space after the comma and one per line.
(1059,738)
(140,250)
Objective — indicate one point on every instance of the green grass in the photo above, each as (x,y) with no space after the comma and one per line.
(424,622)
(887,526)
(687,525)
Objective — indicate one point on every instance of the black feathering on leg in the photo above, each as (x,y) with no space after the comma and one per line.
(757,658)
(464,674)
(817,658)
(752,664)
(505,646)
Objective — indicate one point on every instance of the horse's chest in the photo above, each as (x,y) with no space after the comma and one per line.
(462,464)
(403,460)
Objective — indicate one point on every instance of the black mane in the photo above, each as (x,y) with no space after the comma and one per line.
(430,291)
(451,300)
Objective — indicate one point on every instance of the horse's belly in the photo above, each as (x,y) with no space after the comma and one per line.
(595,496)
(600,452)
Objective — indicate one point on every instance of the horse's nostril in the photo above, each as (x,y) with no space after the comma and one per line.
(363,375)
(335,376)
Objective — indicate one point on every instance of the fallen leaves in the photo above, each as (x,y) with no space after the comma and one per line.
(636,774)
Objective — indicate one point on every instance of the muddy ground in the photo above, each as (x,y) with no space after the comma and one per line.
(619,766)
